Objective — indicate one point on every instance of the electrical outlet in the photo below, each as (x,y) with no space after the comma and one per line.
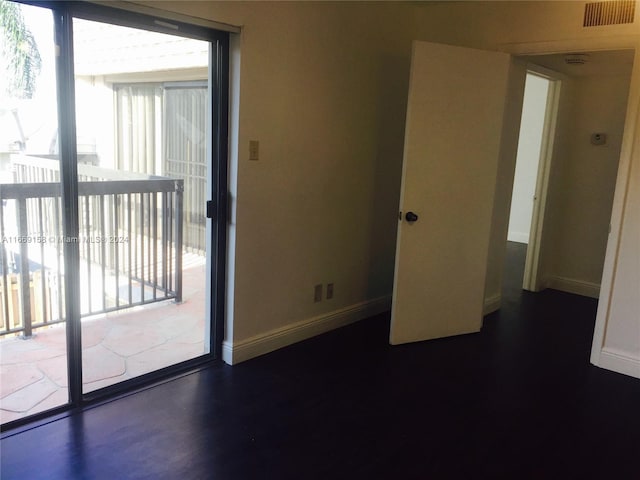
(329,291)
(317,293)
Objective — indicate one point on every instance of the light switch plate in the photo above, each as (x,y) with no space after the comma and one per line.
(254,150)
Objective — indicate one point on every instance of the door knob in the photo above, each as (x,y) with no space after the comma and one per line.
(411,217)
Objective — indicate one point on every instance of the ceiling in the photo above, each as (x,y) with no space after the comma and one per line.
(612,62)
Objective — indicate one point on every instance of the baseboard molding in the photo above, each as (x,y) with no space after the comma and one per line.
(492,304)
(620,362)
(234,353)
(518,237)
(569,285)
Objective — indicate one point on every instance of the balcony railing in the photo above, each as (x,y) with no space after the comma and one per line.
(130,243)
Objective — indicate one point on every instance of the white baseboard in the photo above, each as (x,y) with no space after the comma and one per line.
(569,285)
(620,362)
(236,352)
(492,304)
(519,237)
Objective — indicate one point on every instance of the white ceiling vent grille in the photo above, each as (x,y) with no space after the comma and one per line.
(612,12)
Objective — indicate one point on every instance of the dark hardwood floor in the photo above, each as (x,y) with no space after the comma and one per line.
(518,400)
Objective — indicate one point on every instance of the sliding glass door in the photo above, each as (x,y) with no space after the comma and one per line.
(142,168)
(135,261)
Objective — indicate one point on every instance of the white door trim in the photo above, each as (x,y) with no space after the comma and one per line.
(531,280)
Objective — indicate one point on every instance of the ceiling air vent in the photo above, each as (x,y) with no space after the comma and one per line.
(612,12)
(576,59)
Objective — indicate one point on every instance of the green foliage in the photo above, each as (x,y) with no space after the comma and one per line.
(21,62)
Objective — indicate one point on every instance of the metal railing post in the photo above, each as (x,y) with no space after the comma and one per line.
(179,191)
(4,278)
(25,280)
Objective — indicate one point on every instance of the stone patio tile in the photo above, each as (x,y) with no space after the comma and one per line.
(92,386)
(162,356)
(193,289)
(194,335)
(130,340)
(32,356)
(192,306)
(7,416)
(99,363)
(177,324)
(143,316)
(94,331)
(16,350)
(56,399)
(56,336)
(28,397)
(55,369)
(17,377)
(18,345)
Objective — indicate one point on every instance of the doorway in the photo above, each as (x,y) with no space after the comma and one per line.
(531,177)
(579,144)
(114,273)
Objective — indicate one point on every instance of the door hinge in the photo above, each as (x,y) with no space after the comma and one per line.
(210,209)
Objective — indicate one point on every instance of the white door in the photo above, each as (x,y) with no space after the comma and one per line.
(457,100)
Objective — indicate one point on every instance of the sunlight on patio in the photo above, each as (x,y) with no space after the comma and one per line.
(116,346)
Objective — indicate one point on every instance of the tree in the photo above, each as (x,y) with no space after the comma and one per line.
(20,61)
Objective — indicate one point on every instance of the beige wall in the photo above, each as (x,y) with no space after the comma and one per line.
(323,88)
(583,178)
(327,104)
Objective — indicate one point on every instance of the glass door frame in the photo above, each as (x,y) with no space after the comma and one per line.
(217,187)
